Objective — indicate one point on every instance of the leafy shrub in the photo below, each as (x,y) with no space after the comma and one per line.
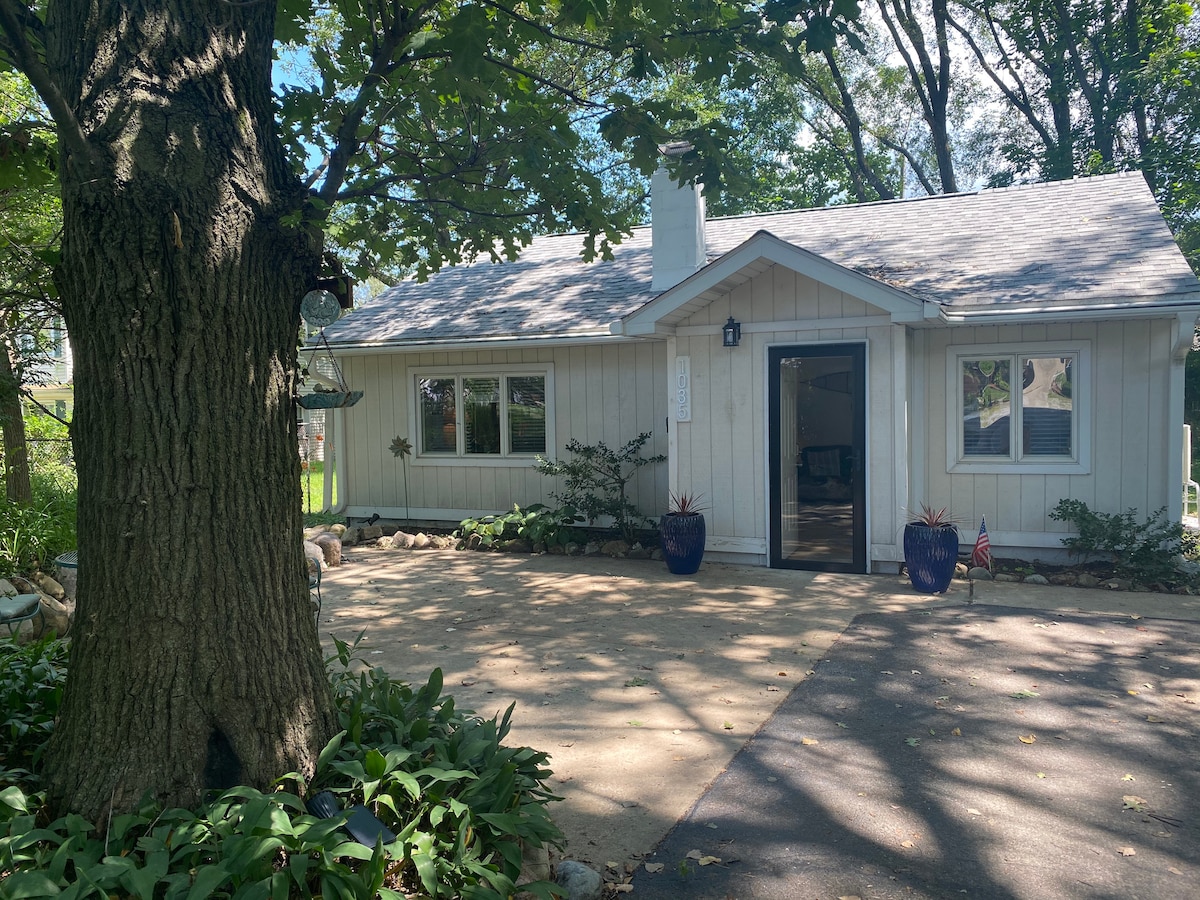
(1144,552)
(31,536)
(458,801)
(597,479)
(32,677)
(537,524)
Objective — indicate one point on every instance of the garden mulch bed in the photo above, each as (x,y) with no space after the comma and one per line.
(963,751)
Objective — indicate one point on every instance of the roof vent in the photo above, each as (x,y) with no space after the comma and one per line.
(676,224)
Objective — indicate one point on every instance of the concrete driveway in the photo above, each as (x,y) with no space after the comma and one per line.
(640,684)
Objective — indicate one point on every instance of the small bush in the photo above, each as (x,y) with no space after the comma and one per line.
(597,479)
(32,536)
(537,523)
(32,677)
(458,801)
(1141,551)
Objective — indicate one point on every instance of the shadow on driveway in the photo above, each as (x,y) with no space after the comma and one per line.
(966,752)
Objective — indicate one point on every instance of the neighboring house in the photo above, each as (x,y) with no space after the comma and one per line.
(990,352)
(50,381)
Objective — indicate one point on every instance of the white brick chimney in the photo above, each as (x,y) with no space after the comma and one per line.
(676,225)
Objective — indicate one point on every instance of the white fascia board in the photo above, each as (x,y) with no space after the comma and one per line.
(1118,309)
(765,246)
(497,343)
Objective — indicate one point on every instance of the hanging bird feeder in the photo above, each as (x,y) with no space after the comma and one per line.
(320,308)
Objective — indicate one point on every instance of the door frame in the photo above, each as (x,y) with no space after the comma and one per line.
(857,350)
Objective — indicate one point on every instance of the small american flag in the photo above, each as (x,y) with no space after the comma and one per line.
(982,554)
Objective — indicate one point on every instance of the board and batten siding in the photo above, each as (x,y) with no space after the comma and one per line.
(1124,413)
(722,453)
(607,392)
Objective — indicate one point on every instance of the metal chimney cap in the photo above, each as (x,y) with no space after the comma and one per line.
(676,148)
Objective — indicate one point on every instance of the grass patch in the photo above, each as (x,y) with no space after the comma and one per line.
(312,484)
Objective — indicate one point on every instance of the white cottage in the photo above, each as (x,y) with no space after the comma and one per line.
(814,374)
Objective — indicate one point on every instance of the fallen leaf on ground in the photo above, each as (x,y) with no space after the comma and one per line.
(694,854)
(912,742)
(621,888)
(971,811)
(1173,870)
(809,741)
(957,732)
(708,860)
(1127,777)
(1026,738)
(654,868)
(1134,802)
(1154,719)
(1127,851)
(907,844)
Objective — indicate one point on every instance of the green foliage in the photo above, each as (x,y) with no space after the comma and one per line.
(31,536)
(1145,552)
(458,801)
(537,523)
(32,677)
(482,126)
(597,480)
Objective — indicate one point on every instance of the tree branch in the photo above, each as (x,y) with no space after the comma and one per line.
(30,62)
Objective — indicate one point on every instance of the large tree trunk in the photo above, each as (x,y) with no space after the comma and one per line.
(196,663)
(17,488)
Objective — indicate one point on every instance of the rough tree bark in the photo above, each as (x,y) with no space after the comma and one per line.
(17,488)
(196,662)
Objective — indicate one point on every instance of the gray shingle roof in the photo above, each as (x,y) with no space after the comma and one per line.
(1088,242)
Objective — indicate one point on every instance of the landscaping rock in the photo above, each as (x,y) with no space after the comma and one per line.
(312,551)
(637,551)
(370,533)
(338,528)
(1118,584)
(441,542)
(579,881)
(979,573)
(1006,577)
(351,536)
(516,545)
(57,615)
(616,549)
(1036,579)
(420,540)
(591,548)
(1086,580)
(331,548)
(1064,579)
(47,585)
(535,864)
(474,542)
(402,540)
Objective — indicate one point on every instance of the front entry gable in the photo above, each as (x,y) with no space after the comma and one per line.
(755,256)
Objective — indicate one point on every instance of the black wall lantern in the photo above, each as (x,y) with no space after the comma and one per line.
(731,333)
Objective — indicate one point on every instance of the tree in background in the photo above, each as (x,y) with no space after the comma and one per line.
(30,217)
(193,223)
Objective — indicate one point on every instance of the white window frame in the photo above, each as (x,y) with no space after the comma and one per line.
(1081,420)
(459,457)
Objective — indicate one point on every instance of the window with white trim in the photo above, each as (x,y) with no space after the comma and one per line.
(1018,409)
(486,413)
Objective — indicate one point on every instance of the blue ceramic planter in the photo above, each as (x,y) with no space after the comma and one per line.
(930,554)
(682,542)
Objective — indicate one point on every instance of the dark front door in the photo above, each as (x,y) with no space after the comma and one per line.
(817,454)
